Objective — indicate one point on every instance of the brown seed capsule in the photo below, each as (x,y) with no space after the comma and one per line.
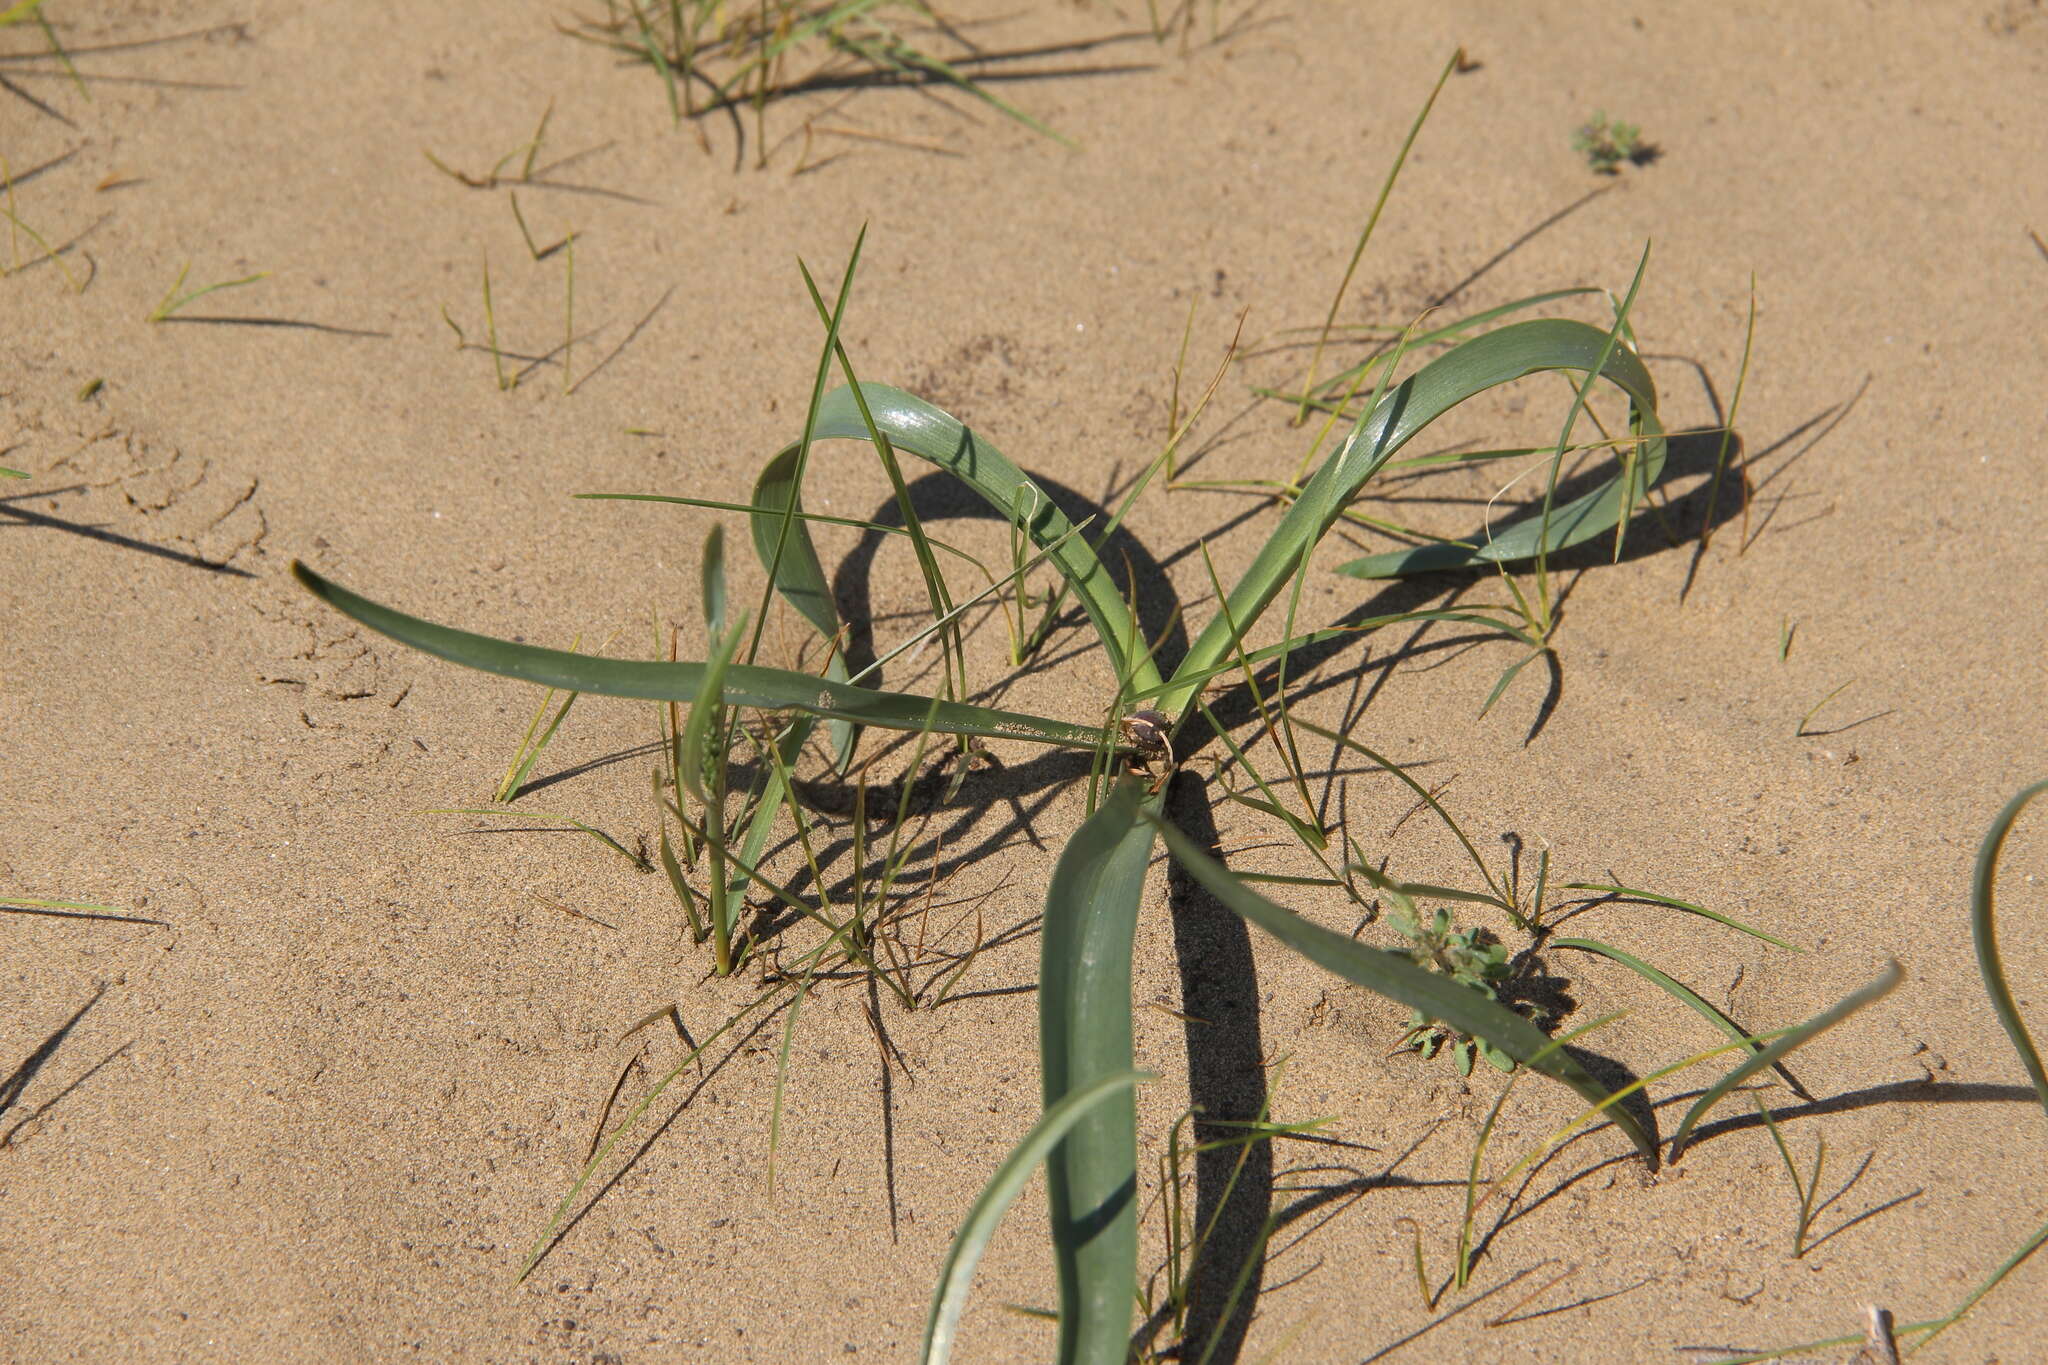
(1146,732)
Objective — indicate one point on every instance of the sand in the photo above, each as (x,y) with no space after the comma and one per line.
(319,1103)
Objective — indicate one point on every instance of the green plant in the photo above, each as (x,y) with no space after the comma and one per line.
(1472,957)
(1605,144)
(172,300)
(1991,969)
(750,54)
(1085,1005)
(1091,908)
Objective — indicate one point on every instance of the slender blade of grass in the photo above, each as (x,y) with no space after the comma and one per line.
(1783,1044)
(1425,890)
(1678,990)
(1654,898)
(1984,930)
(1379,205)
(568,820)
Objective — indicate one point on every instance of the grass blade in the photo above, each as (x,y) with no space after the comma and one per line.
(1785,1043)
(500,813)
(1386,188)
(1630,893)
(1984,929)
(1679,991)
(956,1278)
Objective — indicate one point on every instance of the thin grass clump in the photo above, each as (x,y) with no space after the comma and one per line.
(712,57)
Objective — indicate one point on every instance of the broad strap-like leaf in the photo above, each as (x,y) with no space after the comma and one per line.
(1398,977)
(1084,1036)
(799,576)
(770,689)
(916,427)
(957,1276)
(1496,358)
(1568,524)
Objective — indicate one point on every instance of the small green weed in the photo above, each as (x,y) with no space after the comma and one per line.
(172,300)
(1472,957)
(1607,144)
(752,55)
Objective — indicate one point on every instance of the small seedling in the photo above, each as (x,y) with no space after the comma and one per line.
(1471,957)
(172,300)
(1606,144)
(525,153)
(1800,731)
(1807,1188)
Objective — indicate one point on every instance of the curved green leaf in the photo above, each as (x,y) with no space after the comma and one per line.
(956,1278)
(1512,352)
(1578,520)
(1084,1035)
(1790,1039)
(915,426)
(1396,976)
(771,689)
(1678,991)
(1630,893)
(1984,929)
(799,576)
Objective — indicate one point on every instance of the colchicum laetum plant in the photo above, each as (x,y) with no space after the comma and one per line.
(722,814)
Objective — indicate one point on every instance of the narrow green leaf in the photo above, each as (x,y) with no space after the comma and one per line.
(1678,990)
(769,689)
(1425,890)
(1785,1043)
(1484,362)
(503,814)
(1631,893)
(1984,929)
(956,1277)
(1396,976)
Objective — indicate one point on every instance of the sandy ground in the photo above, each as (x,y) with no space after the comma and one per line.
(317,1106)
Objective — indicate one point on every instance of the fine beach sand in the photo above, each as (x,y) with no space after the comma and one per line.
(320,1104)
